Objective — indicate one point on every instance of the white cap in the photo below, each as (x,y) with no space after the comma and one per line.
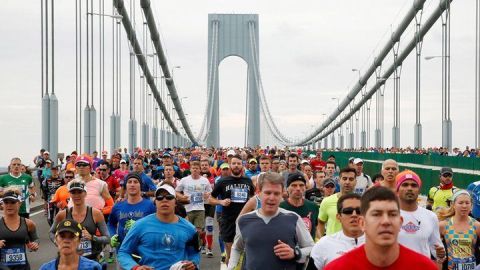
(166,187)
(231,152)
(304,161)
(357,160)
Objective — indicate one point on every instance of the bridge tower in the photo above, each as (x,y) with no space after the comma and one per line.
(230,35)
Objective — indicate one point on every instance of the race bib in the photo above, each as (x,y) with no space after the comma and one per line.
(86,247)
(13,256)
(196,198)
(239,195)
(464,266)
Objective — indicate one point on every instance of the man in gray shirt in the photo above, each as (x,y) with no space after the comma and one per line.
(271,237)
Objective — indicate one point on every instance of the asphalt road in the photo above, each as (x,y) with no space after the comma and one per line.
(48,251)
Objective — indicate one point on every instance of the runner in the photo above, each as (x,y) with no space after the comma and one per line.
(161,239)
(292,167)
(89,217)
(51,185)
(419,229)
(67,236)
(265,166)
(328,208)
(389,172)
(439,196)
(315,194)
(271,237)
(459,231)
(16,233)
(317,163)
(197,188)
(126,213)
(363,180)
(351,236)
(234,191)
(381,222)
(22,182)
(206,172)
(148,187)
(306,209)
(97,190)
(224,172)
(61,196)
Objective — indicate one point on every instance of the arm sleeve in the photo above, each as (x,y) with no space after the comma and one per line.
(318,255)
(128,247)
(107,209)
(305,241)
(113,221)
(105,236)
(238,247)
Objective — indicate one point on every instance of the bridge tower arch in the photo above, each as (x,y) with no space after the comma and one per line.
(231,35)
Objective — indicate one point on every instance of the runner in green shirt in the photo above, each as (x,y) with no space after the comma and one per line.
(307,210)
(328,208)
(22,182)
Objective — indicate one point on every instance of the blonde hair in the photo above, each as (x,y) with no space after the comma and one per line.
(449,212)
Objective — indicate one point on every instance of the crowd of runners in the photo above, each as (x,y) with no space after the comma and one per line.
(275,209)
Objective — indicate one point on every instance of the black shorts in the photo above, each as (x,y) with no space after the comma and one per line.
(227,229)
(209,210)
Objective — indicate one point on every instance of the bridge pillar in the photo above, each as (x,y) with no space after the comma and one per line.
(53,128)
(132,135)
(446,120)
(155,138)
(417,132)
(230,35)
(90,120)
(340,141)
(333,141)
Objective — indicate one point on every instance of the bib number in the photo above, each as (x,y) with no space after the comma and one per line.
(14,256)
(239,195)
(86,247)
(197,198)
(465,266)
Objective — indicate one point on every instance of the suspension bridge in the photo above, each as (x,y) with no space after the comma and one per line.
(121,61)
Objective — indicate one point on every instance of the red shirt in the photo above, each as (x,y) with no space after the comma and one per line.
(318,165)
(357,259)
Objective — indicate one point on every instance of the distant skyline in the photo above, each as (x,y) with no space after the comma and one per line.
(307,53)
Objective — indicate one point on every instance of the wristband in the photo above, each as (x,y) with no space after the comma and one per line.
(135,267)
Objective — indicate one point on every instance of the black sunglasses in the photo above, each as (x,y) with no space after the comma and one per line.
(349,210)
(447,175)
(69,177)
(82,165)
(103,170)
(169,197)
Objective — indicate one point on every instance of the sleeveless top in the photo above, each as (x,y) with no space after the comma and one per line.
(89,249)
(460,246)
(13,255)
(259,202)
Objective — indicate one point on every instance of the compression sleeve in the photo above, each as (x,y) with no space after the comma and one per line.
(105,236)
(108,206)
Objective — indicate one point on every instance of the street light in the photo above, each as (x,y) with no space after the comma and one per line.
(173,69)
(118,17)
(432,57)
(357,70)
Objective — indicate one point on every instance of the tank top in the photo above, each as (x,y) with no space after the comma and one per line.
(259,202)
(460,246)
(13,255)
(89,249)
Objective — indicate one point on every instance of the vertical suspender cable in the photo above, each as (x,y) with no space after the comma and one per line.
(88,55)
(41,46)
(46,47)
(76,74)
(118,67)
(103,74)
(53,49)
(91,51)
(113,63)
(100,72)
(80,74)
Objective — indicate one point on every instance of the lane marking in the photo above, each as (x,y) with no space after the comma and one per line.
(36,213)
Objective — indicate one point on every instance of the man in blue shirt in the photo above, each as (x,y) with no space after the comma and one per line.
(474,189)
(125,213)
(162,239)
(147,185)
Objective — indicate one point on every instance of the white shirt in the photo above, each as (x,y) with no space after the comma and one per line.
(333,246)
(419,231)
(363,183)
(194,188)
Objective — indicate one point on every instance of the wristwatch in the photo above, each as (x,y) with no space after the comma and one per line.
(298,253)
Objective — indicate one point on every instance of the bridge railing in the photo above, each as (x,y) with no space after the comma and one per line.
(466,170)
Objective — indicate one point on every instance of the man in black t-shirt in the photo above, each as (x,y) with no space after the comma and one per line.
(235,190)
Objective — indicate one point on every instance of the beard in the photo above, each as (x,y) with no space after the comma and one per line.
(236,171)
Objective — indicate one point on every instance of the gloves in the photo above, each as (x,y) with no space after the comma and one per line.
(129,224)
(114,241)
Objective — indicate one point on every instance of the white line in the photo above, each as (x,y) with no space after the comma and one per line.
(36,213)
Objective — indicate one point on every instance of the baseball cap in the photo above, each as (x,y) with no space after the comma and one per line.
(252,160)
(231,153)
(76,185)
(304,161)
(350,159)
(328,181)
(166,187)
(11,196)
(357,160)
(83,159)
(295,177)
(407,175)
(123,161)
(166,154)
(224,166)
(46,152)
(69,225)
(446,170)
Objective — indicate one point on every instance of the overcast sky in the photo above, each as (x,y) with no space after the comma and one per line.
(307,52)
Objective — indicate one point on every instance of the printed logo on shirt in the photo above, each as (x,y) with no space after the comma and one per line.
(168,242)
(410,227)
(307,221)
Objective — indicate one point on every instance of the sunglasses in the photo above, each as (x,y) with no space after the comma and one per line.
(82,165)
(447,175)
(349,210)
(69,177)
(169,197)
(329,186)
